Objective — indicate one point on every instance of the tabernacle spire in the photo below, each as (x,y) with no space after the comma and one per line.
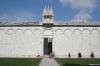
(48,15)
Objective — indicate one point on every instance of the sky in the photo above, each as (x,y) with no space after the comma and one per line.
(64,10)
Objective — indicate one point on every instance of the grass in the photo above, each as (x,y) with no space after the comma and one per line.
(19,61)
(77,61)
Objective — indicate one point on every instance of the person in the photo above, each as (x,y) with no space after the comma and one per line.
(92,55)
(38,55)
(69,55)
(79,55)
(53,53)
(50,55)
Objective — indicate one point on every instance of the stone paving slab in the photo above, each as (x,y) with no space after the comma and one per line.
(48,62)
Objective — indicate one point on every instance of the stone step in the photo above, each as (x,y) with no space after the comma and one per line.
(46,56)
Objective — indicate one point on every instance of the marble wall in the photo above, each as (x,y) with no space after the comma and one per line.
(76,40)
(20,42)
(28,41)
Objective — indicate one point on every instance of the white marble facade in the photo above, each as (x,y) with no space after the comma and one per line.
(28,41)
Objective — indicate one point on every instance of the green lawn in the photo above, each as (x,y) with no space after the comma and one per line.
(77,61)
(19,61)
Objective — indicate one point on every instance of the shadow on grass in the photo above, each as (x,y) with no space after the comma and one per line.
(77,61)
(68,64)
(19,61)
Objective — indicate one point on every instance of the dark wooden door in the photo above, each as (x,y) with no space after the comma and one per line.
(45,49)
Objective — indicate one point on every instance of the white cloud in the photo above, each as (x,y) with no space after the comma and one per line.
(84,7)
(78,4)
(83,15)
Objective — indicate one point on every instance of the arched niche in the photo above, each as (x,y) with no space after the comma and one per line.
(28,36)
(59,42)
(95,41)
(86,42)
(28,31)
(76,31)
(95,31)
(10,31)
(58,34)
(28,42)
(10,36)
(10,41)
(59,31)
(76,41)
(37,31)
(3,47)
(2,32)
(19,40)
(86,31)
(3,37)
(19,31)
(68,32)
(38,42)
(68,41)
(19,34)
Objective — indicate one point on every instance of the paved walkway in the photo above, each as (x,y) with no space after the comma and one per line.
(48,62)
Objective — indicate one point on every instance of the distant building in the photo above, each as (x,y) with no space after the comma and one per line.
(32,39)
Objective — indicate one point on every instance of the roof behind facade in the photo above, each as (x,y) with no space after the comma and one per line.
(55,23)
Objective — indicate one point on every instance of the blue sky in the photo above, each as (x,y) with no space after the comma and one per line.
(64,10)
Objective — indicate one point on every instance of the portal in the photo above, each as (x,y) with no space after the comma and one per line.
(47,46)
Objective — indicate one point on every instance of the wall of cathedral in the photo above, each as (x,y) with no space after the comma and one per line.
(28,41)
(74,40)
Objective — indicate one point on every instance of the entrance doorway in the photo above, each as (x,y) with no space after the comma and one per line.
(47,46)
